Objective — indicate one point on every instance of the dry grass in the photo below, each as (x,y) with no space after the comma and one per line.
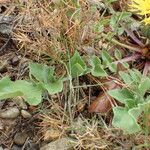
(56,30)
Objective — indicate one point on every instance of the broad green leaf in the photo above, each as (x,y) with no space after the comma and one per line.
(31,92)
(77,70)
(125,77)
(144,86)
(135,75)
(41,72)
(7,90)
(106,58)
(112,67)
(118,54)
(130,103)
(121,95)
(97,68)
(77,65)
(123,120)
(54,87)
(107,61)
(135,112)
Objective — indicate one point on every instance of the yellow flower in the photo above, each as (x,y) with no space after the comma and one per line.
(142,7)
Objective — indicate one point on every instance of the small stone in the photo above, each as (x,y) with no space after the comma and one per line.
(15,61)
(54,96)
(1,148)
(60,144)
(20,138)
(20,102)
(15,147)
(10,113)
(25,114)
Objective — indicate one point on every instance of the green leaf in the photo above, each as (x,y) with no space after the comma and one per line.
(112,67)
(135,75)
(144,86)
(135,112)
(106,58)
(41,72)
(77,65)
(130,103)
(7,90)
(125,77)
(97,68)
(107,61)
(31,92)
(54,87)
(123,120)
(121,95)
(118,54)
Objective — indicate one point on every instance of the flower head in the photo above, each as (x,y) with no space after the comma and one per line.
(142,7)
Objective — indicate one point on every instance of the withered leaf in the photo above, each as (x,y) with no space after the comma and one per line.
(103,103)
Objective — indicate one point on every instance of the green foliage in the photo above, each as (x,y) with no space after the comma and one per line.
(135,101)
(116,19)
(29,91)
(108,61)
(97,68)
(77,66)
(43,78)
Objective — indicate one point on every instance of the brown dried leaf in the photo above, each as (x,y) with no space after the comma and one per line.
(102,104)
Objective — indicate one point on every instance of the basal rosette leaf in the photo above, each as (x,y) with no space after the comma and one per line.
(144,86)
(123,120)
(30,92)
(121,95)
(54,87)
(41,72)
(7,90)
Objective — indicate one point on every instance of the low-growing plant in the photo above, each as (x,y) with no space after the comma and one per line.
(135,100)
(42,78)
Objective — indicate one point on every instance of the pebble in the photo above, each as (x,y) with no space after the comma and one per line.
(20,138)
(20,102)
(25,114)
(15,61)
(1,148)
(10,113)
(60,144)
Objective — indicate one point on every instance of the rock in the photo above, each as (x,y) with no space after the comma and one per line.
(19,101)
(20,138)
(60,144)
(1,148)
(15,147)
(15,61)
(10,113)
(6,24)
(51,134)
(25,114)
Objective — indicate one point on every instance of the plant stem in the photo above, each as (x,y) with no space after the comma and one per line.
(127,59)
(120,44)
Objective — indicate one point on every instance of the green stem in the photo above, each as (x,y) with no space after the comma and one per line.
(120,44)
